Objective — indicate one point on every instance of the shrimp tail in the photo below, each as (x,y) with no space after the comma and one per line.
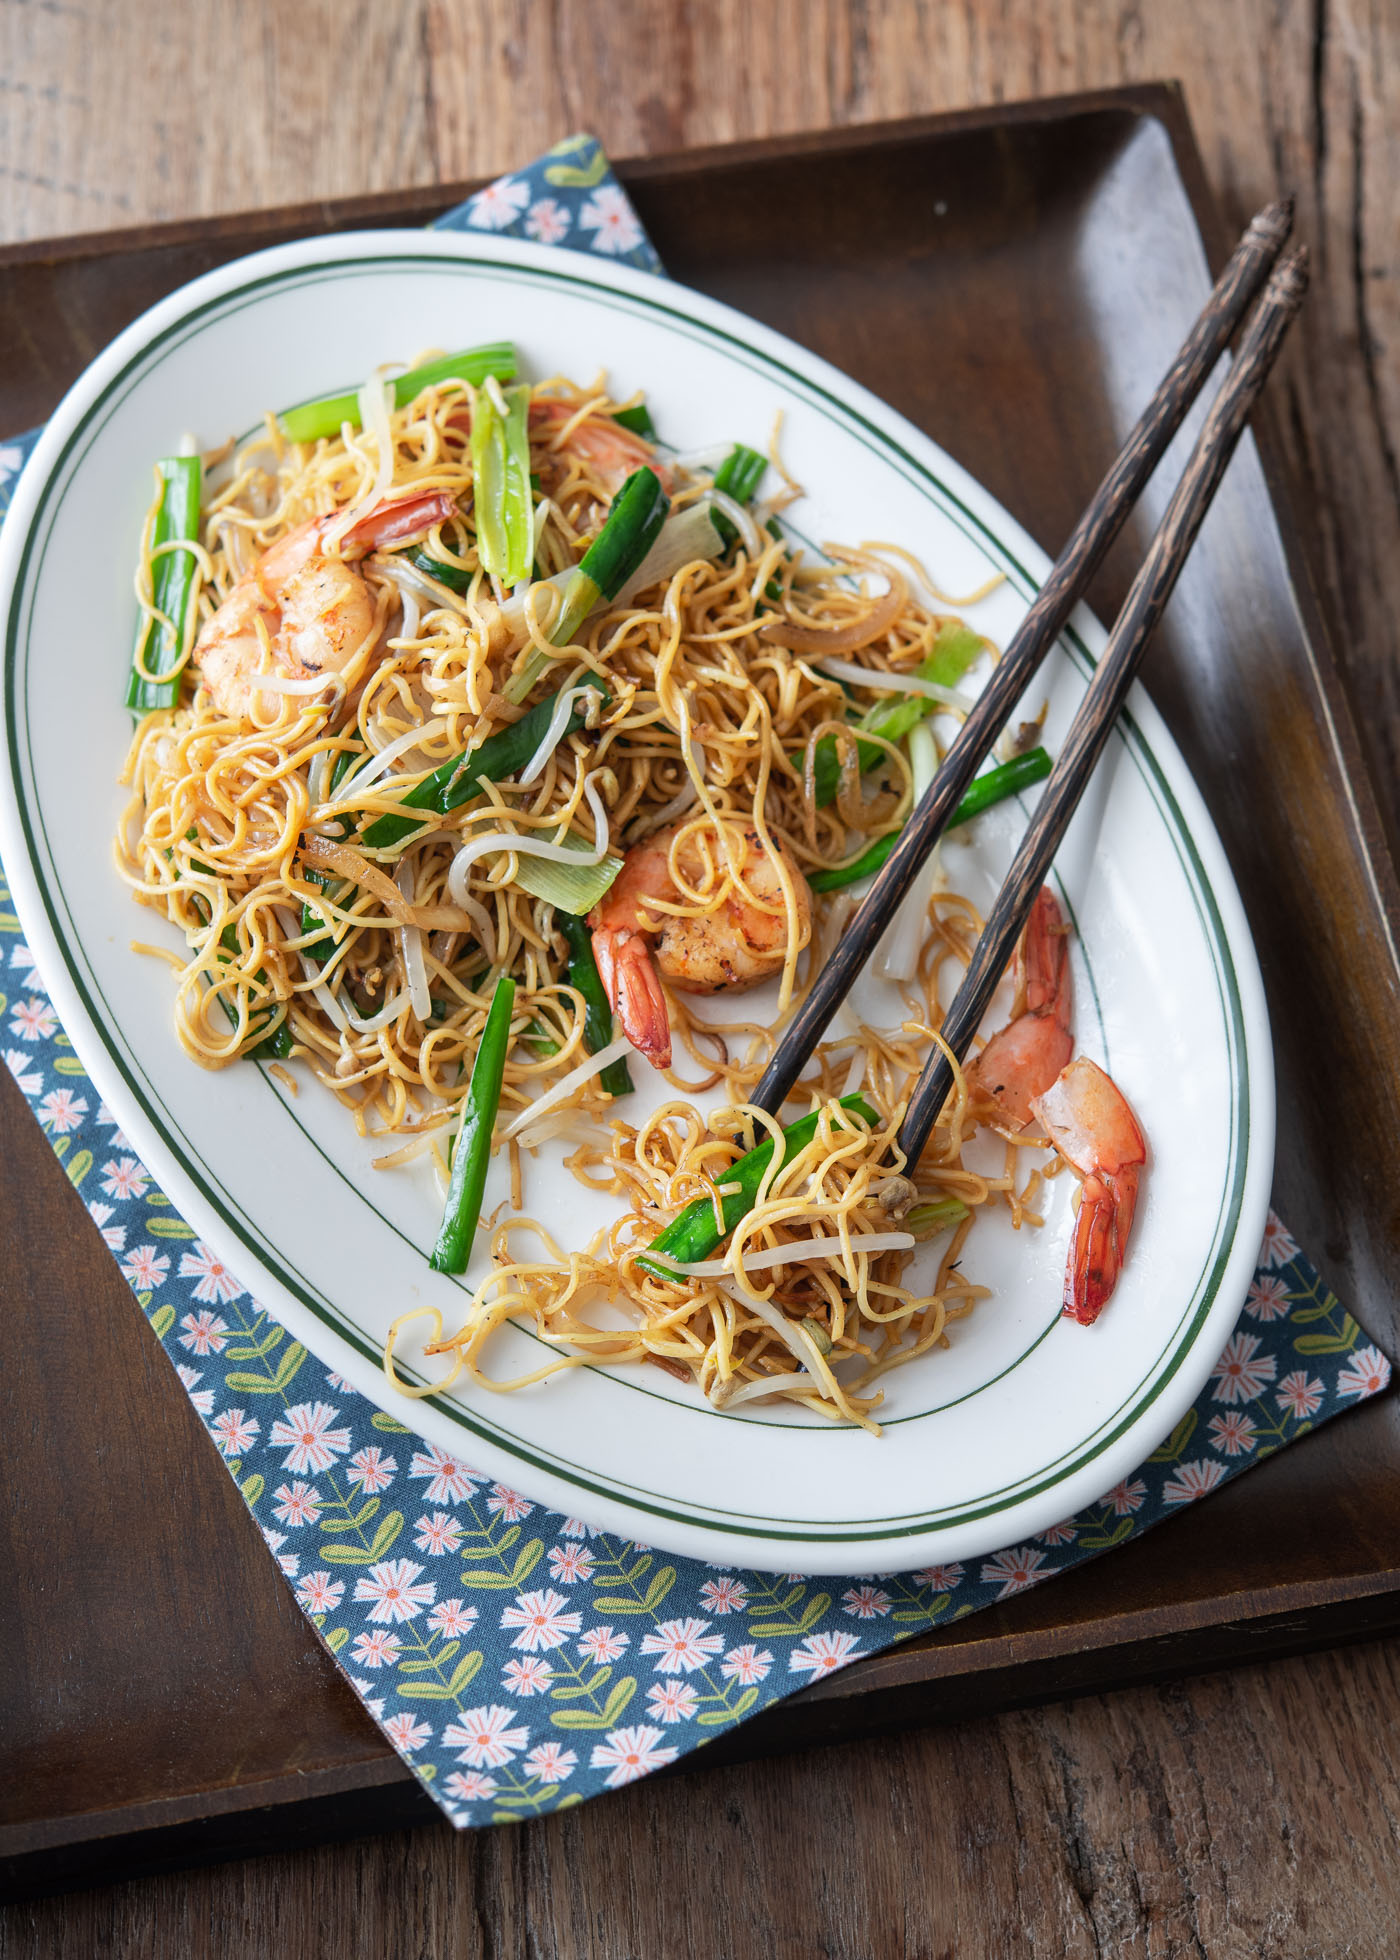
(1106,1205)
(1088,1119)
(397,522)
(633,986)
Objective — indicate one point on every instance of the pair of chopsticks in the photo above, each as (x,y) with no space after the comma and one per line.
(1252,264)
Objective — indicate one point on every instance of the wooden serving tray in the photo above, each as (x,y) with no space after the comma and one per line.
(1015,281)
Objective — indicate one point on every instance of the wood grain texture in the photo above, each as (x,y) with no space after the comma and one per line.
(1256,1813)
(111,114)
(1247,1816)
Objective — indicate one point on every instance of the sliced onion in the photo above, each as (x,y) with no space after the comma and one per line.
(847,670)
(727,1395)
(490,842)
(390,1011)
(740,517)
(858,632)
(408,579)
(350,864)
(682,539)
(707,460)
(821,1247)
(482,923)
(567,1085)
(411,944)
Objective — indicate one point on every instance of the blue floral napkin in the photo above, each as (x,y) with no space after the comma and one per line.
(519,1660)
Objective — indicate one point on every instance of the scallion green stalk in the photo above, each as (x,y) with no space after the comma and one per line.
(326,416)
(693,1235)
(501,500)
(493,760)
(933,1215)
(472,1155)
(638,420)
(738,476)
(956,649)
(635,516)
(158,646)
(1006,779)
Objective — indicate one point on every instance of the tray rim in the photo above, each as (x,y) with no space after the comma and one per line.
(1335,1607)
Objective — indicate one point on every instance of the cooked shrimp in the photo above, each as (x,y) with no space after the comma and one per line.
(611,451)
(1087,1118)
(646,929)
(312,611)
(1022,1059)
(1025,1070)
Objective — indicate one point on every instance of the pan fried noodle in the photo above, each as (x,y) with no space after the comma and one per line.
(345,643)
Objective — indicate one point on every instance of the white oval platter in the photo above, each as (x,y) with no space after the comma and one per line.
(1024,1417)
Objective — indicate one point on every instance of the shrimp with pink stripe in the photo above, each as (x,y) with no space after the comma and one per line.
(1025,1072)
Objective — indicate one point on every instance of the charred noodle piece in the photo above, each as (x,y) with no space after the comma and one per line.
(598,1014)
(327,415)
(501,500)
(473,1152)
(498,757)
(893,718)
(1007,779)
(692,1235)
(634,519)
(157,648)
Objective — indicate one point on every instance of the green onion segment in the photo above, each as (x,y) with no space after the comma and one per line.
(693,1235)
(638,420)
(157,648)
(956,649)
(994,786)
(635,516)
(739,476)
(501,499)
(567,887)
(499,756)
(326,416)
(473,1152)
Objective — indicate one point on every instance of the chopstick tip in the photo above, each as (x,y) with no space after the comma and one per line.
(1290,277)
(1272,225)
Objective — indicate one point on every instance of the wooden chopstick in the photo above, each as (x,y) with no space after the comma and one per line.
(1107,691)
(1102,520)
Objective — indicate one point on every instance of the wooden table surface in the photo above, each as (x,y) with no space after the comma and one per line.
(1255,1813)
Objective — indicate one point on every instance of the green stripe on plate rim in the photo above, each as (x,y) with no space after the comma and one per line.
(1173,1354)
